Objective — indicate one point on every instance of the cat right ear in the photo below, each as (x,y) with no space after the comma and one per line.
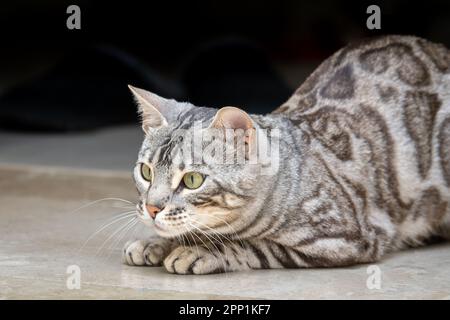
(150,106)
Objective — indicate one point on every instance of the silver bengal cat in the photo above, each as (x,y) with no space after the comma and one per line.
(363,169)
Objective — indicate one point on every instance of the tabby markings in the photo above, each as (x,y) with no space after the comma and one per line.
(419,112)
(444,149)
(341,85)
(430,206)
(387,93)
(409,68)
(437,53)
(328,128)
(369,124)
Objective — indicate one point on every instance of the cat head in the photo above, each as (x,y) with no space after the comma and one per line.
(186,182)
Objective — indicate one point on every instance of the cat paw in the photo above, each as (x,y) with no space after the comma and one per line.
(144,252)
(193,260)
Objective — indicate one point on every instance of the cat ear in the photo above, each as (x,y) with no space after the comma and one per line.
(235,118)
(151,108)
(232,118)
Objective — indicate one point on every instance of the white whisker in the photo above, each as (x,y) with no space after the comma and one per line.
(106,225)
(212,242)
(98,201)
(217,235)
(121,235)
(229,226)
(115,232)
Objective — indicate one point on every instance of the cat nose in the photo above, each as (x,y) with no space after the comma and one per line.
(152,210)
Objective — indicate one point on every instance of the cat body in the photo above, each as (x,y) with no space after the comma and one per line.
(363,169)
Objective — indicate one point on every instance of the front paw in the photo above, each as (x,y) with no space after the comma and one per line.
(193,260)
(144,252)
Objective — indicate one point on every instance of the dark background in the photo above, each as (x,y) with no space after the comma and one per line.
(251,54)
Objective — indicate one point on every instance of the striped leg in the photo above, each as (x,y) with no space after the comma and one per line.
(323,252)
(242,255)
(265,254)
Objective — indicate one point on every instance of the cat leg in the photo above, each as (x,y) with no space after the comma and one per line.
(337,252)
(266,254)
(369,245)
(149,252)
(207,259)
(230,256)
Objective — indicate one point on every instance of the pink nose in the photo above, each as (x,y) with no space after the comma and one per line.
(152,210)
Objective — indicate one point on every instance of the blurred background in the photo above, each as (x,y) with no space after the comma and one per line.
(63,94)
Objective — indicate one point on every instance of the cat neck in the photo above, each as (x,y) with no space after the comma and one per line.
(293,150)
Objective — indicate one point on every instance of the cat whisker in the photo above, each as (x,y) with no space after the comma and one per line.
(119,237)
(101,200)
(220,241)
(133,219)
(122,235)
(189,233)
(204,244)
(212,242)
(238,238)
(222,235)
(180,239)
(125,207)
(122,214)
(216,234)
(185,239)
(108,223)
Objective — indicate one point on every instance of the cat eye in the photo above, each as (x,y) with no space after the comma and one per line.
(146,172)
(193,180)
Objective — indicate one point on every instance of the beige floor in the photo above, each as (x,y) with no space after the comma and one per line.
(41,235)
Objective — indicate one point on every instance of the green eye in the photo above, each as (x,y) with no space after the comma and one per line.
(146,172)
(193,180)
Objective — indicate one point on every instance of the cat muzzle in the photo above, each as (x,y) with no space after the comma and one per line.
(152,210)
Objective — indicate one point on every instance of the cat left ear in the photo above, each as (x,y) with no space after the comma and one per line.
(151,108)
(234,118)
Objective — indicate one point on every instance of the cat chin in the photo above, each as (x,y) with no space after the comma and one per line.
(168,234)
(162,230)
(167,231)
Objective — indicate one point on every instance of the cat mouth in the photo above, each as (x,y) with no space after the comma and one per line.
(167,233)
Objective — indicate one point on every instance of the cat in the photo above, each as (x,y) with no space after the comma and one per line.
(364,169)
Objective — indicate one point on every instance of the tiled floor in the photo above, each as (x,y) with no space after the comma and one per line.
(41,235)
